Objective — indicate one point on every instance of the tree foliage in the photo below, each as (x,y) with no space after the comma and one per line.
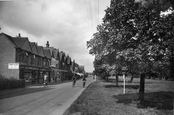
(134,33)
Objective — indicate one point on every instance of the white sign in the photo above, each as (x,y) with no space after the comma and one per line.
(13,65)
(54,62)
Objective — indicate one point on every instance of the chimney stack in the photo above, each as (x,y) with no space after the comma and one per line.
(47,45)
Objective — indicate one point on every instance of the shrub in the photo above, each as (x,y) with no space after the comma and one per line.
(11,83)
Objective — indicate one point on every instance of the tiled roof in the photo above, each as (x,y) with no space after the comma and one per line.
(47,53)
(81,68)
(69,60)
(61,55)
(50,48)
(34,48)
(19,41)
(41,51)
(9,37)
(54,53)
(58,56)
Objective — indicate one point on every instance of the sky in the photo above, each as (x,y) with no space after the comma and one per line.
(66,24)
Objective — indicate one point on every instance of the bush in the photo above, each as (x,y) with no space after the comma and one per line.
(11,83)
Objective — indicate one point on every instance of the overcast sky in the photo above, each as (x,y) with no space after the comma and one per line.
(66,24)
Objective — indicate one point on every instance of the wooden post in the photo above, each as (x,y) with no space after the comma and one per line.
(142,83)
(124,83)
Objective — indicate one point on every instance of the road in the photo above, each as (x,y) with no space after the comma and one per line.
(36,100)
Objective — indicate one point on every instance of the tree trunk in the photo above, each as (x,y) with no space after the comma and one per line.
(132,77)
(172,67)
(107,78)
(142,83)
(116,78)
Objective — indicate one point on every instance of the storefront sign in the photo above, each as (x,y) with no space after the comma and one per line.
(54,62)
(31,68)
(13,65)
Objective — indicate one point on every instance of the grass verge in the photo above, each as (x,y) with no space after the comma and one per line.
(104,98)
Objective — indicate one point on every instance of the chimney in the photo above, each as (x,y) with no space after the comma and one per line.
(19,35)
(47,45)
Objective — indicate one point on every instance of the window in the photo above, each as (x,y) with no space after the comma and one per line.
(32,59)
(21,56)
(40,61)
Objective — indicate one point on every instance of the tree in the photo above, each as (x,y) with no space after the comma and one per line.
(134,34)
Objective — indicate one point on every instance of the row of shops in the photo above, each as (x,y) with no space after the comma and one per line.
(22,59)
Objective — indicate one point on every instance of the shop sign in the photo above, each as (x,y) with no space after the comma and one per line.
(13,65)
(54,62)
(31,68)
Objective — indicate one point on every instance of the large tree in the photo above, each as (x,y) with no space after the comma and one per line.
(135,34)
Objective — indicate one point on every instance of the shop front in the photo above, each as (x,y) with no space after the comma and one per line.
(29,73)
(33,74)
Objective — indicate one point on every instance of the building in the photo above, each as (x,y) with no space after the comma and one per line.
(22,59)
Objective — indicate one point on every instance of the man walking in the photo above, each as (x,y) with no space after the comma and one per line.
(45,80)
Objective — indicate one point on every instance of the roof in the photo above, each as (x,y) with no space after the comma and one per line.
(41,51)
(58,56)
(47,53)
(20,42)
(49,48)
(69,60)
(53,51)
(34,48)
(9,37)
(64,57)
(81,68)
(61,55)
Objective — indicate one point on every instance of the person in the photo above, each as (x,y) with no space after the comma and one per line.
(45,80)
(84,81)
(74,81)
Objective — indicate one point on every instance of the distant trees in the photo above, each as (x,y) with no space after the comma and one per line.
(136,34)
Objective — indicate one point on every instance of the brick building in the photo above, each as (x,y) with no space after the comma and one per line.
(22,59)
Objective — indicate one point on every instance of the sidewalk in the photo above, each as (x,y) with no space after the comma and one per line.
(27,87)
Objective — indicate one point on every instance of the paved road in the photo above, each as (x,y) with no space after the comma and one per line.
(36,100)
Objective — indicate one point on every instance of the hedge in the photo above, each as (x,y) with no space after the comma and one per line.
(11,84)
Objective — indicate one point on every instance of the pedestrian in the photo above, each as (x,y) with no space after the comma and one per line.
(45,80)
(74,81)
(84,81)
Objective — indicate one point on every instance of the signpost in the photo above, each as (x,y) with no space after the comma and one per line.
(124,70)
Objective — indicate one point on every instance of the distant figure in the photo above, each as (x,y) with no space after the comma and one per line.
(74,80)
(84,81)
(95,77)
(45,80)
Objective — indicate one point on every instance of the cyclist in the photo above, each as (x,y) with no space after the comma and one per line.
(84,81)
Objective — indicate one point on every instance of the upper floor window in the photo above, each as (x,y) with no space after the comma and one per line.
(32,59)
(21,56)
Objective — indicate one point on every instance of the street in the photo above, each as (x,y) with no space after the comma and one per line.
(37,100)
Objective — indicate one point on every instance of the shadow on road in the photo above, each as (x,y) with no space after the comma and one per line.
(24,91)
(162,100)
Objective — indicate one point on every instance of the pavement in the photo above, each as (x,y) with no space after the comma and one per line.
(28,86)
(37,100)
